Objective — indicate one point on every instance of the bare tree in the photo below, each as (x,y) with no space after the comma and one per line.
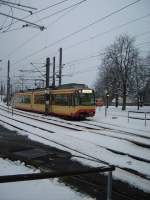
(117,66)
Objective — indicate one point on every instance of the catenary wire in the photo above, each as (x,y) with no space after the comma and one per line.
(112,29)
(144,33)
(143,43)
(50,6)
(95,55)
(37,34)
(11,22)
(59,11)
(105,32)
(78,31)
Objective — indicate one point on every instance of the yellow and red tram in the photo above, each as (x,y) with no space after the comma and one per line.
(70,101)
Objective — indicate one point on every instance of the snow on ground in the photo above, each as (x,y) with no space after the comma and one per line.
(115,116)
(96,145)
(33,190)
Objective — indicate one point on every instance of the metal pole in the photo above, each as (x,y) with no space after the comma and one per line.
(47,71)
(1,90)
(13,101)
(145,118)
(60,66)
(22,84)
(105,107)
(109,186)
(47,86)
(53,84)
(38,176)
(138,102)
(8,84)
(107,100)
(105,111)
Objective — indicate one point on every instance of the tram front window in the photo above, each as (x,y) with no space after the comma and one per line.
(87,99)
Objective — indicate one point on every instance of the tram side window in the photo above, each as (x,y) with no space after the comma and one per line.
(39,99)
(76,99)
(52,99)
(61,99)
(27,99)
(24,99)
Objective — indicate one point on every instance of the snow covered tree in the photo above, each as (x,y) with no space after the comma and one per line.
(118,64)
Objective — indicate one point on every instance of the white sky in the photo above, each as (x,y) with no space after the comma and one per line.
(80,16)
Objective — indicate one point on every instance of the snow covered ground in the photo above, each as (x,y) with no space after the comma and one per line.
(115,116)
(115,135)
(33,190)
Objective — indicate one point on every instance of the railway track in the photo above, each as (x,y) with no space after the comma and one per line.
(102,146)
(75,150)
(80,126)
(115,127)
(94,187)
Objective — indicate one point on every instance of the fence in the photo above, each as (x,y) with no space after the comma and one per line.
(37,176)
(137,117)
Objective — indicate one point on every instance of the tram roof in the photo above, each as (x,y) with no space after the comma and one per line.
(70,86)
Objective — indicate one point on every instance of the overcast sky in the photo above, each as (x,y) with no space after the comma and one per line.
(81,51)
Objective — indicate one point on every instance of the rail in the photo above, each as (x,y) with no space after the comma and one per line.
(37,176)
(136,117)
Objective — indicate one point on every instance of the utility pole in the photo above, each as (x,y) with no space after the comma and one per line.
(1,83)
(60,66)
(1,90)
(22,84)
(8,84)
(53,84)
(47,86)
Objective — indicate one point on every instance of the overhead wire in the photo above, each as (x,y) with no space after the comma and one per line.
(27,22)
(79,30)
(83,71)
(143,43)
(80,60)
(76,61)
(37,34)
(8,27)
(105,32)
(144,33)
(50,6)
(95,55)
(20,9)
(16,4)
(43,9)
(59,11)
(13,29)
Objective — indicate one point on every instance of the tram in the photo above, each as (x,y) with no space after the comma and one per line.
(69,100)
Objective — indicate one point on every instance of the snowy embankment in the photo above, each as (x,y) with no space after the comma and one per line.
(98,146)
(39,189)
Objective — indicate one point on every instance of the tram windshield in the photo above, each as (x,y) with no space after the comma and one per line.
(87,97)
